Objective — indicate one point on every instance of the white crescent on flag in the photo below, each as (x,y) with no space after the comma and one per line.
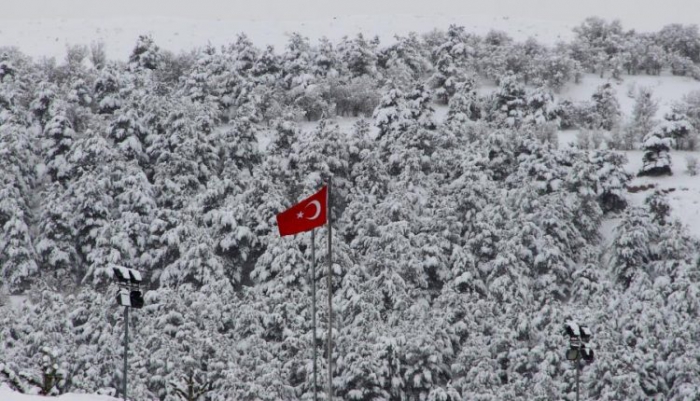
(317,204)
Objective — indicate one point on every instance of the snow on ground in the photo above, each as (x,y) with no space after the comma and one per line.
(666,89)
(683,190)
(49,37)
(8,395)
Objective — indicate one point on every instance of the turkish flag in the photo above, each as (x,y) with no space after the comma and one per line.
(305,215)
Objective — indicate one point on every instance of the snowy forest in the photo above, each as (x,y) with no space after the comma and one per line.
(464,237)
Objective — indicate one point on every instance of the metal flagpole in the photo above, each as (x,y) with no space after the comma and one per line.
(330,296)
(313,302)
(126,345)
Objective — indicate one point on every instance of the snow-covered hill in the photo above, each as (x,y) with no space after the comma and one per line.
(8,395)
(49,37)
(666,89)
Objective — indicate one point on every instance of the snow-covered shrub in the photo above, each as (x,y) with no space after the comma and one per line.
(657,157)
(612,179)
(691,165)
(658,206)
(597,138)
(615,141)
(583,139)
(645,108)
(677,127)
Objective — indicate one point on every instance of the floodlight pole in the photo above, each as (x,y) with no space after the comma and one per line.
(578,373)
(126,345)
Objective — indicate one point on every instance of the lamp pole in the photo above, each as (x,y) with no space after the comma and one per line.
(129,296)
(579,336)
(578,375)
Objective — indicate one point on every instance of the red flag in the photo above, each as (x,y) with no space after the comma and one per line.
(305,215)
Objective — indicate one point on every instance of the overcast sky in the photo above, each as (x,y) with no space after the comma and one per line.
(641,14)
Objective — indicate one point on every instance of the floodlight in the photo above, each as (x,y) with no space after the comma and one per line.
(136,299)
(123,297)
(135,276)
(587,354)
(585,334)
(121,274)
(572,354)
(572,329)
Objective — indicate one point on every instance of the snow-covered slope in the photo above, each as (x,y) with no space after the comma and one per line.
(666,88)
(49,37)
(9,395)
(683,190)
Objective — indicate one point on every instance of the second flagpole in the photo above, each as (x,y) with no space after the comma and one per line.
(313,303)
(330,295)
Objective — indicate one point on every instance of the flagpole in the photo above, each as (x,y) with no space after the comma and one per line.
(313,302)
(330,295)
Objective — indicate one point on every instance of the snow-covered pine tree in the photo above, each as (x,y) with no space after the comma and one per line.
(607,107)
(107,88)
(358,55)
(449,57)
(507,106)
(146,54)
(657,158)
(645,108)
(612,179)
(44,97)
(57,140)
(679,128)
(390,115)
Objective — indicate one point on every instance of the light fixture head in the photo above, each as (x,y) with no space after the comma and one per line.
(572,354)
(135,276)
(123,297)
(572,329)
(587,354)
(121,274)
(585,334)
(136,298)
(127,276)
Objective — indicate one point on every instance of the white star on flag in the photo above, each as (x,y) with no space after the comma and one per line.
(300,215)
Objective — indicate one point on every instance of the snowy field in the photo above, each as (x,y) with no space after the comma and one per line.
(49,37)
(42,28)
(8,395)
(683,190)
(666,89)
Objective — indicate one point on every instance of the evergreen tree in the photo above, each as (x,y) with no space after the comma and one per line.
(449,59)
(656,158)
(107,88)
(146,54)
(508,105)
(41,105)
(607,108)
(645,108)
(58,137)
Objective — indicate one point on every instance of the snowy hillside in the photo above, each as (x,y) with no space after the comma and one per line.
(49,37)
(485,192)
(666,88)
(8,395)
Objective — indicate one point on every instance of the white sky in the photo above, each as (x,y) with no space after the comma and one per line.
(640,14)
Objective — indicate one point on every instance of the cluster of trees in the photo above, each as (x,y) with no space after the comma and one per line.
(461,245)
